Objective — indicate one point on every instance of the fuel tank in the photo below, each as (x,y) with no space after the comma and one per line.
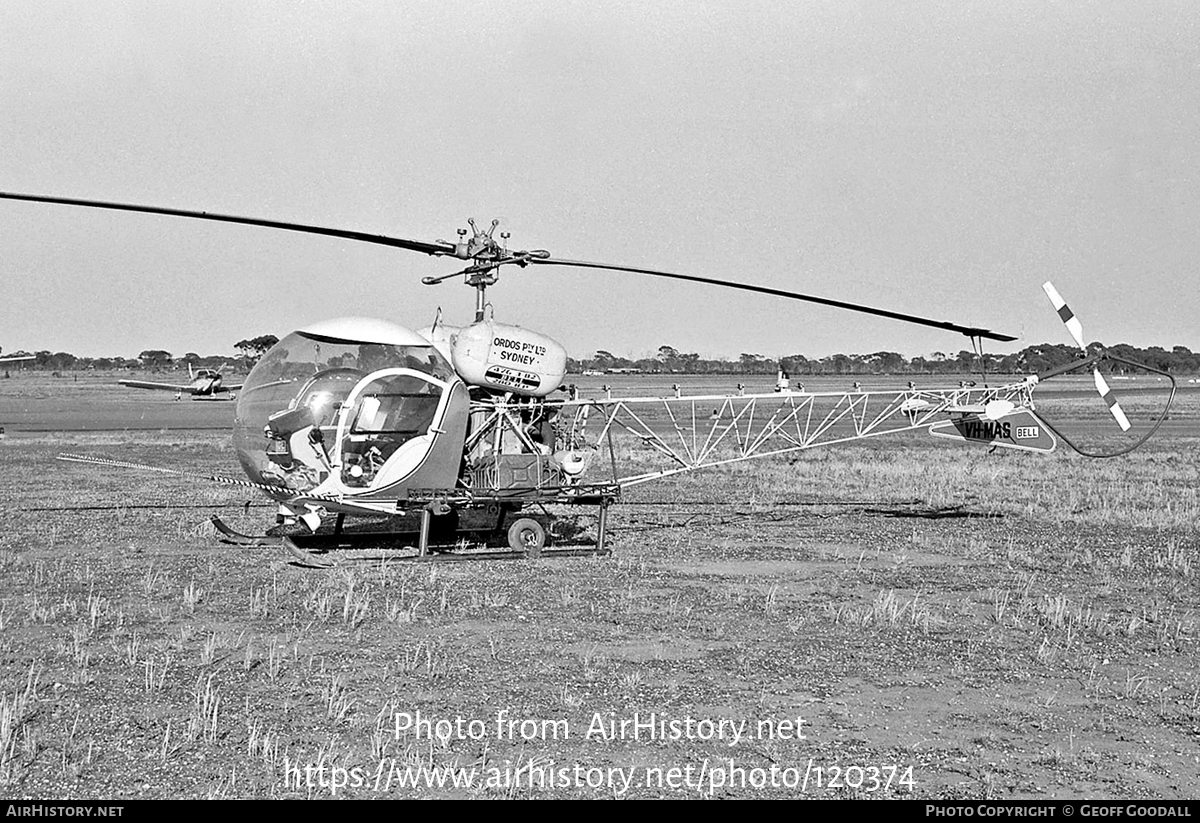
(508,358)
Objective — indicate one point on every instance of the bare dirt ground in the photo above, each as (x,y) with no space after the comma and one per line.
(915,620)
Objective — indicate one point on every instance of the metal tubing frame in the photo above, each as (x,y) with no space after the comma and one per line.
(797,421)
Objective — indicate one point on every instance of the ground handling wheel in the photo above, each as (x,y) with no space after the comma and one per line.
(527,535)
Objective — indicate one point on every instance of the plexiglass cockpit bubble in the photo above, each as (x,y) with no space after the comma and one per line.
(288,411)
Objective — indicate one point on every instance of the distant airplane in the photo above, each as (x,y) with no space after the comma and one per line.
(205,383)
(16,358)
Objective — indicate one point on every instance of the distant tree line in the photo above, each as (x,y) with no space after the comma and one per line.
(1031,360)
(156,359)
(669,360)
(151,360)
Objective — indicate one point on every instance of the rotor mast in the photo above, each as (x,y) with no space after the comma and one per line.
(481,248)
(488,255)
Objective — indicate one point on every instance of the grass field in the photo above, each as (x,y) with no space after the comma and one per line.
(907,619)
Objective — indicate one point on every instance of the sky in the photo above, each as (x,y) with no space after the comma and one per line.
(928,157)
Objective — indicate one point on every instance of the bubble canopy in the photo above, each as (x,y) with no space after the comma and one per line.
(309,375)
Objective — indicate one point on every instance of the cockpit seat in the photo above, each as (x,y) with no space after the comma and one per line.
(285,423)
(405,459)
(296,430)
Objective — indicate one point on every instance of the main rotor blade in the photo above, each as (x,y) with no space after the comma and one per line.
(969,331)
(438,249)
(380,240)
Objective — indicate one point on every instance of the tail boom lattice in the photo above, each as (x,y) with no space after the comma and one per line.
(705,431)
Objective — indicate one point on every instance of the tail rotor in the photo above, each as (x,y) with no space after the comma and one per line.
(1076,329)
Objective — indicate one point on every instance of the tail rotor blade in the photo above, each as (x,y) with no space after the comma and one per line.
(1111,399)
(1076,329)
(1064,311)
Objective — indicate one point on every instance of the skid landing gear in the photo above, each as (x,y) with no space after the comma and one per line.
(230,535)
(449,524)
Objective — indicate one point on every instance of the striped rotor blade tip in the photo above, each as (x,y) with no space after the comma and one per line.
(1064,312)
(1111,400)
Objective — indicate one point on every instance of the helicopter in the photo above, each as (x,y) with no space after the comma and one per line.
(203,383)
(454,431)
